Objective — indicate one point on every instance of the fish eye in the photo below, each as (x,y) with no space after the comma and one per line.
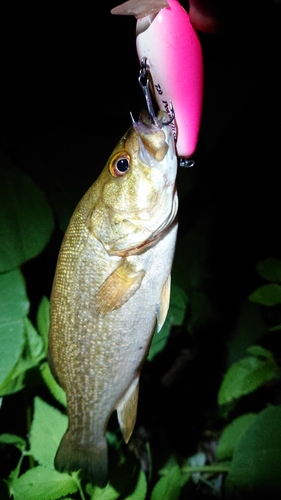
(119,165)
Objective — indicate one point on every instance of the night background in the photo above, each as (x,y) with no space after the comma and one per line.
(69,79)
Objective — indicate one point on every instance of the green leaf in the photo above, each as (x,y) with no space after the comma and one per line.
(190,274)
(249,327)
(169,464)
(31,355)
(97,493)
(43,320)
(41,483)
(34,343)
(191,254)
(260,352)
(256,463)
(169,486)
(139,492)
(16,379)
(275,328)
(175,317)
(14,302)
(17,441)
(14,474)
(200,310)
(47,429)
(4,490)
(14,307)
(232,434)
(247,374)
(110,493)
(270,269)
(267,295)
(52,385)
(26,220)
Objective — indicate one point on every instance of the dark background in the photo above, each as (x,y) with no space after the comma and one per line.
(69,81)
(69,74)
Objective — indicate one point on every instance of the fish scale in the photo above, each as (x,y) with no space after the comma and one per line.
(111,287)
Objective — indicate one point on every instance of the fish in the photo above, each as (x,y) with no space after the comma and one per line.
(111,291)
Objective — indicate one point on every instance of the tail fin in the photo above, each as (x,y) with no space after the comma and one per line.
(88,457)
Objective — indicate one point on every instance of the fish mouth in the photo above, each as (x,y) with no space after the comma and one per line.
(151,138)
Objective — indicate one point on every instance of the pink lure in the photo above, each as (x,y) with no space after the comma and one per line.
(174,56)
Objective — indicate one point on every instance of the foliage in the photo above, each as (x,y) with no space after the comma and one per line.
(247,374)
(244,426)
(26,218)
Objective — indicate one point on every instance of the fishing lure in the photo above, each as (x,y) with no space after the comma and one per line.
(169,47)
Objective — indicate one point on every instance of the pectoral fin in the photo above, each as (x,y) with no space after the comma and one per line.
(127,409)
(118,288)
(164,303)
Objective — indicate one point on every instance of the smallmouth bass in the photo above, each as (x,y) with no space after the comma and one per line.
(111,288)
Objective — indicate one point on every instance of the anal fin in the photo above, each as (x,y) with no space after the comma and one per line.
(164,303)
(127,409)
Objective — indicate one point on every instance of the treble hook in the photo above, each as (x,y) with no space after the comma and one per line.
(145,88)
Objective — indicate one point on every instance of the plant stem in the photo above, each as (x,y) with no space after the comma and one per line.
(78,482)
(81,491)
(207,469)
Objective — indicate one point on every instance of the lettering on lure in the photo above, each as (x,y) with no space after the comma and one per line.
(158,89)
(167,109)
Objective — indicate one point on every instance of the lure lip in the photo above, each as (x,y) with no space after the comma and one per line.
(138,8)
